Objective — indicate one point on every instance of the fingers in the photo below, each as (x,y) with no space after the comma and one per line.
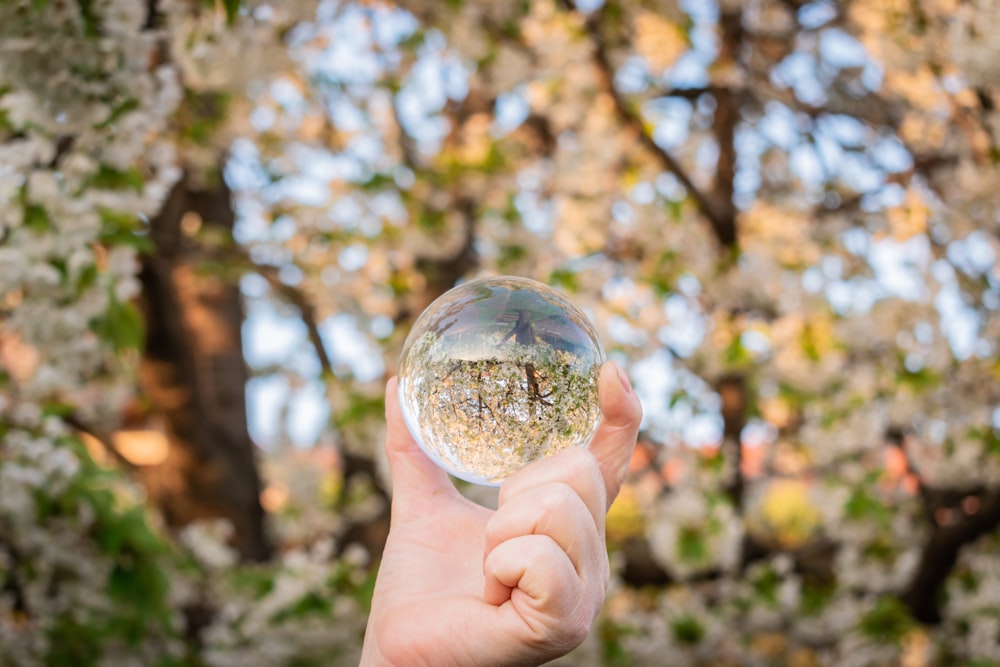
(548,602)
(621,413)
(415,478)
(576,468)
(564,497)
(560,498)
(554,510)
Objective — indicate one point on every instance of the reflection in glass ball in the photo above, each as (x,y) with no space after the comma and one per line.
(497,373)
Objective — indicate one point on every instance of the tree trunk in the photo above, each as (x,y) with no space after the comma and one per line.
(195,376)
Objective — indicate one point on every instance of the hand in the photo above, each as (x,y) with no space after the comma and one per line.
(461,585)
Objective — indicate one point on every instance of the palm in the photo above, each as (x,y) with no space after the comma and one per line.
(443,549)
(438,596)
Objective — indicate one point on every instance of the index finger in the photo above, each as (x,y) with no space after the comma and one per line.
(621,413)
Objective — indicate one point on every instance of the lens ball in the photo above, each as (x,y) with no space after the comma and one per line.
(497,373)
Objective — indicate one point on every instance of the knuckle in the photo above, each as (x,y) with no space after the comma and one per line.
(500,527)
(558,496)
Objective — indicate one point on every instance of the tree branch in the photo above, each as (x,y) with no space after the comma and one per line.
(722,224)
(940,554)
(77,424)
(733,392)
(306,310)
(727,117)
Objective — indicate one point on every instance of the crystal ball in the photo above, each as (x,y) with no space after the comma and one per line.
(499,372)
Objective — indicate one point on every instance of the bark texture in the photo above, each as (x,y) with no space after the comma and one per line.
(194,374)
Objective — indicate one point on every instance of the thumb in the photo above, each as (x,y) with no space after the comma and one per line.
(621,414)
(415,478)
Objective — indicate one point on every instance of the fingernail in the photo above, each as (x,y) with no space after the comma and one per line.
(624,379)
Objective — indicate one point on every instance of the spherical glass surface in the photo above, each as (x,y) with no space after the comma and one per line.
(497,373)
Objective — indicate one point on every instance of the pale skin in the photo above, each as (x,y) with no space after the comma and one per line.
(462,585)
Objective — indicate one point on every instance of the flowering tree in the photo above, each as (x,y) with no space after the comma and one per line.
(780,214)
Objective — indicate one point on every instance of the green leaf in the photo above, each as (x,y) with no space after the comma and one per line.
(36,218)
(808,343)
(863,505)
(126,528)
(232,10)
(494,160)
(90,26)
(56,409)
(510,254)
(888,622)
(122,326)
(919,381)
(615,653)
(201,114)
(675,209)
(137,582)
(691,546)
(879,549)
(766,585)
(989,436)
(816,595)
(378,181)
(687,630)
(73,643)
(131,104)
(109,178)
(565,278)
(736,354)
(359,409)
(124,229)
(432,221)
(309,604)
(365,591)
(256,581)
(87,278)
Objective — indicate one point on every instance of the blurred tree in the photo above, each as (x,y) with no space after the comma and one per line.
(781,215)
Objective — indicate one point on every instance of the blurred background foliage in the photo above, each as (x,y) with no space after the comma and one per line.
(218,221)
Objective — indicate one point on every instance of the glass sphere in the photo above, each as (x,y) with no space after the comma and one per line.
(497,373)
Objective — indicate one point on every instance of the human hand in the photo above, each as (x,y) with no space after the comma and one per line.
(461,585)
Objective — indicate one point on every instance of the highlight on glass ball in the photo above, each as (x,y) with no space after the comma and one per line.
(497,373)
